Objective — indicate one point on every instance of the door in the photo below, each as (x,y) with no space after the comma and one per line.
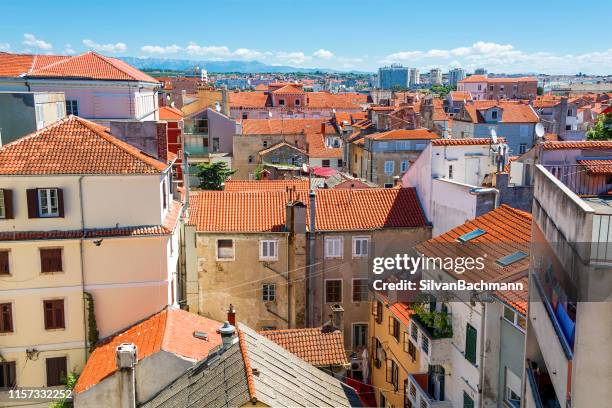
(472,170)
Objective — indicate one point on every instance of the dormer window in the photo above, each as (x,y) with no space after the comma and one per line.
(494,115)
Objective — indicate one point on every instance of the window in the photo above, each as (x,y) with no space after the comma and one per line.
(340,163)
(409,347)
(5,267)
(164,195)
(515,318)
(494,115)
(6,318)
(54,314)
(251,158)
(360,290)
(59,110)
(450,171)
(281,102)
(425,344)
(325,163)
(512,393)
(360,247)
(6,204)
(360,335)
(522,148)
(377,308)
(389,167)
(414,332)
(512,258)
(403,166)
(268,249)
(245,115)
(72,107)
(333,247)
(269,292)
(407,403)
(225,249)
(378,354)
(297,102)
(355,158)
(50,260)
(468,402)
(470,344)
(471,235)
(388,185)
(265,144)
(333,291)
(394,328)
(7,374)
(56,371)
(392,374)
(48,202)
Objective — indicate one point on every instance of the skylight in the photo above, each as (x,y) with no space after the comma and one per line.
(471,235)
(512,258)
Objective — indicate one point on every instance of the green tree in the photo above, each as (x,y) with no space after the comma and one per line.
(540,90)
(602,129)
(213,175)
(71,381)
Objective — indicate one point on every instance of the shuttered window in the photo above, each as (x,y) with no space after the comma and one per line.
(50,260)
(470,344)
(54,314)
(6,204)
(45,202)
(468,402)
(4,263)
(57,371)
(6,318)
(7,374)
(333,291)
(333,247)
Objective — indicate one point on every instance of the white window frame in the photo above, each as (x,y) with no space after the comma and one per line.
(404,166)
(353,290)
(271,292)
(2,205)
(353,332)
(358,242)
(73,104)
(264,246)
(512,382)
(516,317)
(40,116)
(334,254)
(217,250)
(389,167)
(341,290)
(48,210)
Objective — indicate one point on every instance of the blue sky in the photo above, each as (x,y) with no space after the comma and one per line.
(513,36)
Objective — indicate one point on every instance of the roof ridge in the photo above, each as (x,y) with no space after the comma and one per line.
(291,330)
(247,365)
(517,211)
(69,58)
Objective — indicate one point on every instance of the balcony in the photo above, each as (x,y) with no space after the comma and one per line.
(555,348)
(418,395)
(434,343)
(539,390)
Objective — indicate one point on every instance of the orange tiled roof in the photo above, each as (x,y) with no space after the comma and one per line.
(285,126)
(597,166)
(507,230)
(170,113)
(583,144)
(404,134)
(289,89)
(313,345)
(249,100)
(460,96)
(75,146)
(317,148)
(512,111)
(89,65)
(169,330)
(472,141)
(336,210)
(266,185)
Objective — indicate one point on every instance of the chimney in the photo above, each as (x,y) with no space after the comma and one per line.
(126,358)
(227,335)
(231,315)
(224,102)
(337,316)
(397,181)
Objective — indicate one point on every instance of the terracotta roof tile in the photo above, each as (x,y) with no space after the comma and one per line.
(248,370)
(460,96)
(596,166)
(169,330)
(336,210)
(266,185)
(584,144)
(75,146)
(312,345)
(170,113)
(404,134)
(318,149)
(512,111)
(472,141)
(285,126)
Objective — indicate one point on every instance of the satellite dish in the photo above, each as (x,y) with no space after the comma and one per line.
(493,134)
(539,130)
(270,114)
(217,107)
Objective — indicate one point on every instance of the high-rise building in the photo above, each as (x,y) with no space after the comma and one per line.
(455,75)
(435,76)
(480,71)
(394,76)
(415,77)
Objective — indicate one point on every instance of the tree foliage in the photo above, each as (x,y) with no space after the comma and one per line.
(71,381)
(602,129)
(213,175)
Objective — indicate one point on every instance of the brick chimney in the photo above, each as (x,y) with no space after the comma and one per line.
(231,315)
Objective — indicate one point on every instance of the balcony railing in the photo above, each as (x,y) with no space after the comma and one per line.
(418,395)
(582,183)
(539,390)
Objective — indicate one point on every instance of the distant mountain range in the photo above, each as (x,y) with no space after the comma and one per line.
(247,67)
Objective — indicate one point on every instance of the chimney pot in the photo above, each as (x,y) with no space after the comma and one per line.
(231,315)
(227,333)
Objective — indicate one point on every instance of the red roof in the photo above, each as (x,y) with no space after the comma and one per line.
(285,126)
(75,146)
(601,166)
(170,113)
(460,96)
(336,210)
(512,111)
(405,134)
(169,330)
(266,185)
(472,141)
(317,148)
(314,345)
(89,65)
(584,144)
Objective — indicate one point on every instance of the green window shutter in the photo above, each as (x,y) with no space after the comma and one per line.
(470,344)
(467,401)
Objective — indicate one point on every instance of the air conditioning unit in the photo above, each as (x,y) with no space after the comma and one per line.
(127,355)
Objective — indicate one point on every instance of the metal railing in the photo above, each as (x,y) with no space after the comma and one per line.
(582,182)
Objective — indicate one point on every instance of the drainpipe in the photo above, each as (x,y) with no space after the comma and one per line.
(486,190)
(83,262)
(310,300)
(186,181)
(482,354)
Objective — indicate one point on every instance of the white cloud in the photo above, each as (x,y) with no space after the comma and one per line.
(69,50)
(247,54)
(110,48)
(5,46)
(296,57)
(32,41)
(324,54)
(161,50)
(217,52)
(504,58)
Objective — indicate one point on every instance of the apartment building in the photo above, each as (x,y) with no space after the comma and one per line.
(394,76)
(559,116)
(383,157)
(568,352)
(480,355)
(483,87)
(512,120)
(435,76)
(71,267)
(22,113)
(96,87)
(257,248)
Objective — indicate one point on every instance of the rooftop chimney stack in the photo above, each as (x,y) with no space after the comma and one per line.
(126,358)
(231,315)
(227,335)
(337,316)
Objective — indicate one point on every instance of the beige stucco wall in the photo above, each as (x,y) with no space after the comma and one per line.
(251,145)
